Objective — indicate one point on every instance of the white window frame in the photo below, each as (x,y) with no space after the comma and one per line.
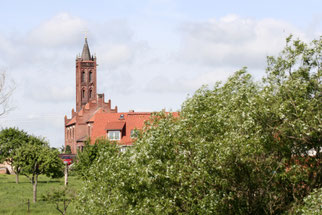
(114,135)
(123,148)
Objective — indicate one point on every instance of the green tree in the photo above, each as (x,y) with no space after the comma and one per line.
(109,173)
(243,147)
(11,139)
(68,150)
(61,198)
(86,157)
(36,159)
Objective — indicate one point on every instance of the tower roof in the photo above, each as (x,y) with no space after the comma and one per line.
(86,55)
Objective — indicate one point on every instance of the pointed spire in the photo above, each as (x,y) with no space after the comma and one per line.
(86,55)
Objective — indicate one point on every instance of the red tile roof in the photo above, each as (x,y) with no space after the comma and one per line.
(115,126)
(102,122)
(111,121)
(72,121)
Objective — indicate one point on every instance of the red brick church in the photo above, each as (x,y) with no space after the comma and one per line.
(95,118)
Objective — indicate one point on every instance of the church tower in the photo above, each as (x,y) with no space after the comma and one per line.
(85,77)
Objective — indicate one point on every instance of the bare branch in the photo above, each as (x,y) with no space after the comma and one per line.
(6,91)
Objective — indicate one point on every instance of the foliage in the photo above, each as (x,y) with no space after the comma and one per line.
(113,164)
(38,158)
(61,198)
(68,150)
(312,204)
(243,147)
(86,157)
(11,140)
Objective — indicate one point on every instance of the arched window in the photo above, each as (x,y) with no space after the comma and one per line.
(83,93)
(90,76)
(83,76)
(90,93)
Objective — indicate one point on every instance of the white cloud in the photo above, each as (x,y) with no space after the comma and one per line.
(184,85)
(61,30)
(51,94)
(234,41)
(213,50)
(116,55)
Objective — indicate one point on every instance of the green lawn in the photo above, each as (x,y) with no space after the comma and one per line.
(14,197)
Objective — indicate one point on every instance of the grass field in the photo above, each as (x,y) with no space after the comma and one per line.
(14,197)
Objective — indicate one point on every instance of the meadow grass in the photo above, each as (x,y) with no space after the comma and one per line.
(14,197)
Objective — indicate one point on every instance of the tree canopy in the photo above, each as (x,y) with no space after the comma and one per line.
(36,158)
(87,156)
(242,147)
(11,139)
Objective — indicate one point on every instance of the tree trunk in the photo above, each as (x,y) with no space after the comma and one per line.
(65,207)
(17,178)
(66,174)
(15,170)
(35,181)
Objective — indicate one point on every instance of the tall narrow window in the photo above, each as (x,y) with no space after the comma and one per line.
(83,93)
(90,76)
(83,76)
(90,93)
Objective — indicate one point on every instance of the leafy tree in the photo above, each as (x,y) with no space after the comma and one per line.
(86,157)
(38,158)
(113,164)
(61,198)
(68,150)
(243,147)
(11,139)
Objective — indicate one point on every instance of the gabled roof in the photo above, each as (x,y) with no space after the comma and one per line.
(92,119)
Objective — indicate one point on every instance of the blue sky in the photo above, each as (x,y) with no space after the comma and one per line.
(152,54)
(25,14)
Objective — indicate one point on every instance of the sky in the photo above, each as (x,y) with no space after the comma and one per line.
(152,54)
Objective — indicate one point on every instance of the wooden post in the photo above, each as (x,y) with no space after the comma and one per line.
(66,174)
(28,205)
